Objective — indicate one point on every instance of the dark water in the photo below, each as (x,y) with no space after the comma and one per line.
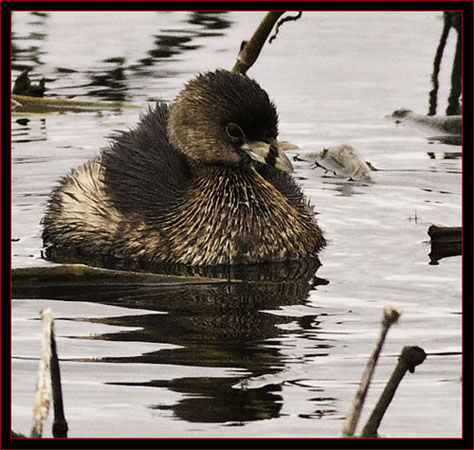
(273,358)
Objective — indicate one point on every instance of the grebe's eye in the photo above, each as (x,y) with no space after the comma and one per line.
(234,131)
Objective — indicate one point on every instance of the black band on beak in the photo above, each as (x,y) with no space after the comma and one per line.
(272,155)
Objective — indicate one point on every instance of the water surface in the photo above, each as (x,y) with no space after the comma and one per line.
(258,359)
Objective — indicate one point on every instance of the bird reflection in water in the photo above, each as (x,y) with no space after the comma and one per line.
(224,324)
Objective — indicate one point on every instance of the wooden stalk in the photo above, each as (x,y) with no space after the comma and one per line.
(250,50)
(408,360)
(390,316)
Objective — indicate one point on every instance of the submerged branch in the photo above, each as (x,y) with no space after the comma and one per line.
(80,273)
(25,104)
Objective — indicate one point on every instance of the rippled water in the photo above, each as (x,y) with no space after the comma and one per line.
(264,359)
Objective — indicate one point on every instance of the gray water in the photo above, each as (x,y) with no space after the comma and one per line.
(259,360)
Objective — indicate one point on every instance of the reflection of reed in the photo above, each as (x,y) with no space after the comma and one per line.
(451,20)
(28,130)
(221,325)
(111,82)
(27,49)
(209,21)
(171,43)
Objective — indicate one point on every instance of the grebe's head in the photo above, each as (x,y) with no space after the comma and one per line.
(224,118)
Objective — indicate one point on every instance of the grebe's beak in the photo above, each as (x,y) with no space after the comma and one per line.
(268,153)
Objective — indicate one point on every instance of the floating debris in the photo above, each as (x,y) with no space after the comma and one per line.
(23,85)
(16,105)
(445,242)
(285,145)
(70,274)
(24,104)
(451,125)
(344,160)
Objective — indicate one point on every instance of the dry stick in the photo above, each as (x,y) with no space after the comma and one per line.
(250,50)
(48,383)
(408,360)
(43,381)
(59,424)
(390,316)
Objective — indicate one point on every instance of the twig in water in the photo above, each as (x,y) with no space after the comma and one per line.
(281,22)
(390,316)
(59,424)
(43,381)
(250,50)
(408,360)
(48,383)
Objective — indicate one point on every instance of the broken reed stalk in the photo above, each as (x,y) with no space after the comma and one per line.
(43,380)
(390,316)
(250,50)
(408,360)
(48,383)
(445,234)
(445,242)
(59,424)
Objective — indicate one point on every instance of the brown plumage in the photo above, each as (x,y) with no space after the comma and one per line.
(202,184)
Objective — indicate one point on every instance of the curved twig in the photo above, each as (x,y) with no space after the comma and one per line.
(282,21)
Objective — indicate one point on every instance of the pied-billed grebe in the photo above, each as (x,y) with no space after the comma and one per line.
(200,183)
